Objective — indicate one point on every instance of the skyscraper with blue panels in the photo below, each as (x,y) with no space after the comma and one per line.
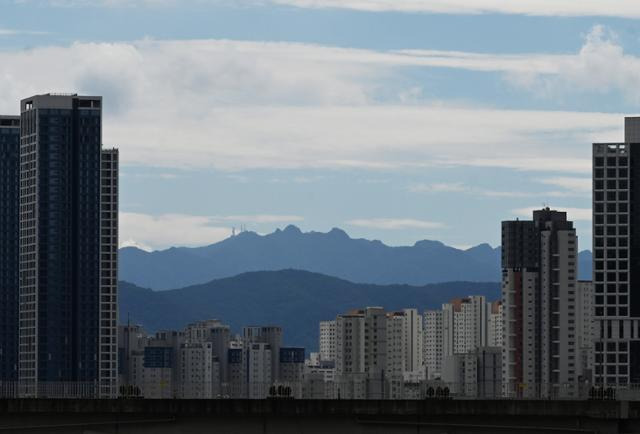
(68,244)
(9,234)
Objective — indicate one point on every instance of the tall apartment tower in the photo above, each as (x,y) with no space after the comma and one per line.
(328,340)
(538,295)
(68,244)
(9,252)
(271,335)
(616,257)
(433,343)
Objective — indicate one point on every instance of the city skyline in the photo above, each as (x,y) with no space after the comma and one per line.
(378,115)
(550,336)
(59,241)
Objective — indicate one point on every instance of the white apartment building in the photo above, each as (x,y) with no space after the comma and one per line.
(328,340)
(466,324)
(292,365)
(396,354)
(319,382)
(375,341)
(413,341)
(350,344)
(495,334)
(404,345)
(475,374)
(158,377)
(460,327)
(586,329)
(195,368)
(374,348)
(539,300)
(433,342)
(259,379)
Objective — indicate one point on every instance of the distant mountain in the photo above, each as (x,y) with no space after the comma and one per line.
(333,253)
(295,300)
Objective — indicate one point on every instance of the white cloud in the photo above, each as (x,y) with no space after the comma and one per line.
(259,218)
(578,185)
(440,187)
(151,232)
(16,32)
(617,8)
(573,214)
(459,187)
(462,246)
(238,105)
(157,232)
(395,223)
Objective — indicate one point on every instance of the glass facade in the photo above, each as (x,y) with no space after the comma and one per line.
(61,240)
(616,260)
(9,230)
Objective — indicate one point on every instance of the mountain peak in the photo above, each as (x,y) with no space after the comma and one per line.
(428,244)
(338,233)
(484,247)
(292,229)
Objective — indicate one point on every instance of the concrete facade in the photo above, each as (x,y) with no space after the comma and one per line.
(540,357)
(616,270)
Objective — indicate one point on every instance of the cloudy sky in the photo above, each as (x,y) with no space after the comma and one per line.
(397,120)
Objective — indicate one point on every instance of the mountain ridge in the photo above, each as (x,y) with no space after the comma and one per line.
(332,253)
(297,300)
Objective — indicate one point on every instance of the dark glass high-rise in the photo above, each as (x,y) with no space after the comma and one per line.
(9,233)
(68,246)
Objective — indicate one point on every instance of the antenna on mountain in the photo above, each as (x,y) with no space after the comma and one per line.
(233,231)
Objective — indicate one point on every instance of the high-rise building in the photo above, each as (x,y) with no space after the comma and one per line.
(396,354)
(9,250)
(412,341)
(539,305)
(68,244)
(616,258)
(195,368)
(350,343)
(237,376)
(259,359)
(271,335)
(494,337)
(433,345)
(328,340)
(375,341)
(466,324)
(292,369)
(219,335)
(586,329)
(460,327)
(475,373)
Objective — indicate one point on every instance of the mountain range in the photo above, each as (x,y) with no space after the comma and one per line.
(295,300)
(333,253)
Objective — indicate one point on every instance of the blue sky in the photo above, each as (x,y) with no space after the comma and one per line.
(397,120)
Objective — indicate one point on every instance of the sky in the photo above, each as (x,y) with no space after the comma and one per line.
(397,120)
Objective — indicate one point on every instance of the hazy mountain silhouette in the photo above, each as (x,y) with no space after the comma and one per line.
(295,300)
(333,253)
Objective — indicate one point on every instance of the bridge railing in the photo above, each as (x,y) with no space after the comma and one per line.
(57,390)
(359,387)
